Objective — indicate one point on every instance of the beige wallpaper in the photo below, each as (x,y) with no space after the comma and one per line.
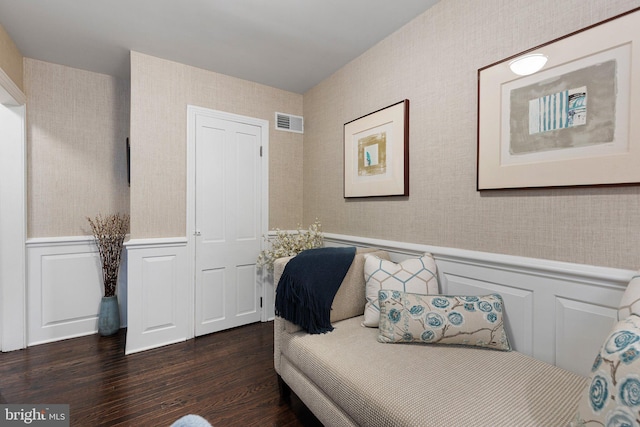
(11,59)
(160,93)
(77,124)
(433,62)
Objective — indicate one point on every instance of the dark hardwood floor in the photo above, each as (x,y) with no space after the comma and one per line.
(226,377)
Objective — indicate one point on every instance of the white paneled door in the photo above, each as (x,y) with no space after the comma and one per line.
(228,223)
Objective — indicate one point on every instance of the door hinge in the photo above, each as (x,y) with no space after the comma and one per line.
(261,151)
(260,302)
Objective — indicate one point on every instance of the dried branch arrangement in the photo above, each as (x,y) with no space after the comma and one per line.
(109,232)
(289,244)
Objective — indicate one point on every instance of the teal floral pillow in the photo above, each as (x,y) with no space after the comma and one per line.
(612,396)
(442,319)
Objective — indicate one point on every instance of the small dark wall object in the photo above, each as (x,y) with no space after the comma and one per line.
(128,147)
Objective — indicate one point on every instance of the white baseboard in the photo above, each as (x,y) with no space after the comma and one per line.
(554,311)
(64,288)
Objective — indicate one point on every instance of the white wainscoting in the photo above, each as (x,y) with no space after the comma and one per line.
(160,293)
(554,311)
(64,288)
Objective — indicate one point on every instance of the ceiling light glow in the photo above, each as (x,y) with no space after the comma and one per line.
(528,64)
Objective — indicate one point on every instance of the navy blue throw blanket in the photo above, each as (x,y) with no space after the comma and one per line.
(308,285)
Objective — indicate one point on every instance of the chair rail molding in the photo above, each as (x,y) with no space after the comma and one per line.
(549,305)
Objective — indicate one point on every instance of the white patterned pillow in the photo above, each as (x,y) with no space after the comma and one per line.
(442,319)
(630,303)
(417,275)
(612,395)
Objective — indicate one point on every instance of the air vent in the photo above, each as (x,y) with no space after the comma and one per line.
(289,123)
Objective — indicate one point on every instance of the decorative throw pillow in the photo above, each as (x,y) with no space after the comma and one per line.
(630,302)
(442,319)
(612,395)
(417,275)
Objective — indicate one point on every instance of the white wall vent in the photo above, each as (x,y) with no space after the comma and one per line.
(289,123)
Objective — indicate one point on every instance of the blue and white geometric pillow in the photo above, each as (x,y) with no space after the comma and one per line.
(442,319)
(416,275)
(612,395)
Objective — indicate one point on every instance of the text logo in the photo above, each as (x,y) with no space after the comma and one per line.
(34,415)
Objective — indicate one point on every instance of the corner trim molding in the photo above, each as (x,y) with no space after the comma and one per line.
(13,95)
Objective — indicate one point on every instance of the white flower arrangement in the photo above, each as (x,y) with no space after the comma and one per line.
(288,243)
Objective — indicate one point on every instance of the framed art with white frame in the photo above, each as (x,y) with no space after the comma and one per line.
(570,123)
(376,153)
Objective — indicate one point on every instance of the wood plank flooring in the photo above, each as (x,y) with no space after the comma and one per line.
(226,377)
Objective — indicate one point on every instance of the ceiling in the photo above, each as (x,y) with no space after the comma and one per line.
(288,44)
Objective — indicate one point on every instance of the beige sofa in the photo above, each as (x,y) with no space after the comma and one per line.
(347,378)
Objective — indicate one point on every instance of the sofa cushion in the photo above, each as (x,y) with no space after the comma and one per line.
(612,395)
(349,300)
(416,385)
(417,275)
(630,302)
(442,319)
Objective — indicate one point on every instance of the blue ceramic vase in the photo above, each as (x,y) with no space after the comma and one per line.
(109,318)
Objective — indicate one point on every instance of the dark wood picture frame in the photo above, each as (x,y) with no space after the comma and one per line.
(376,153)
(517,149)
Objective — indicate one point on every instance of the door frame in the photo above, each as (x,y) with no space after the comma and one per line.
(13,219)
(193,112)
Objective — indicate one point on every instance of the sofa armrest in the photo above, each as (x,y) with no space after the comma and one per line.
(280,326)
(278,269)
